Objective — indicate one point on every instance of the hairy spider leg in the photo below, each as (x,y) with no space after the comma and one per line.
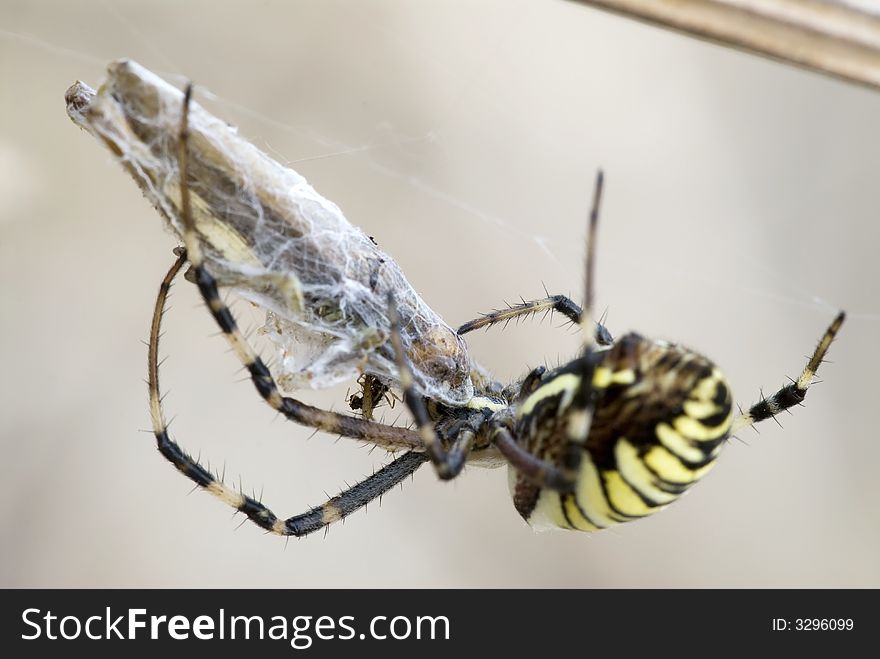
(563,477)
(314,519)
(560,303)
(793,393)
(560,477)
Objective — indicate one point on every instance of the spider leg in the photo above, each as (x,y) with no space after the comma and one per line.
(586,318)
(579,415)
(332,422)
(540,472)
(560,303)
(449,464)
(794,393)
(562,476)
(312,520)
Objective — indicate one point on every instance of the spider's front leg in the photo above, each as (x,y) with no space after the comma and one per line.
(314,519)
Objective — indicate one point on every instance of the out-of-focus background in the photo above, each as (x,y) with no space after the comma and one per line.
(740,212)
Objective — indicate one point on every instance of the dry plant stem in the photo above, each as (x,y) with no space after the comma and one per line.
(266,233)
(838,38)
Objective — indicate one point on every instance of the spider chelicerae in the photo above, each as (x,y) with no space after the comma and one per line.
(617,433)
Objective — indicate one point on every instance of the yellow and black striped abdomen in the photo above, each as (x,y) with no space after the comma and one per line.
(661,416)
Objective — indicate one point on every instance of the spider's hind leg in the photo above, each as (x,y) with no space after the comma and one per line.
(794,393)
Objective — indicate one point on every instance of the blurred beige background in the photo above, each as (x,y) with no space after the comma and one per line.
(740,212)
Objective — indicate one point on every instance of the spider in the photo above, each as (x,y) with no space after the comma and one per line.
(616,434)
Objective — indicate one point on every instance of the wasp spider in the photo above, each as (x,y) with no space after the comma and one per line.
(616,434)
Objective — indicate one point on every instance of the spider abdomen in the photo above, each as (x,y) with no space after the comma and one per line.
(660,416)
